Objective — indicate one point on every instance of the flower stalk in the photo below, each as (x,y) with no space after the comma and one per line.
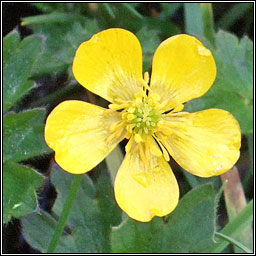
(65,213)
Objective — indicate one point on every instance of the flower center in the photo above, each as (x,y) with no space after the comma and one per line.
(141,121)
(142,118)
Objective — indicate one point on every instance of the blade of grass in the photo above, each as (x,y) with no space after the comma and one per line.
(234,227)
(234,242)
(109,10)
(208,22)
(233,15)
(65,213)
(49,18)
(199,20)
(132,10)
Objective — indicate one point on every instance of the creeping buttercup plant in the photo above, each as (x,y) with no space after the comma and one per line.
(190,108)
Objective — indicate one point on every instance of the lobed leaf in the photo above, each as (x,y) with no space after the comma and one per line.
(88,228)
(18,60)
(23,135)
(19,186)
(233,88)
(190,228)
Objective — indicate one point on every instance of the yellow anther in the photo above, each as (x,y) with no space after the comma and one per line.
(130,117)
(138,138)
(117,106)
(177,108)
(146,77)
(131,110)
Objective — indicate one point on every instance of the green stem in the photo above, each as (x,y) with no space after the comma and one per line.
(208,23)
(234,242)
(65,213)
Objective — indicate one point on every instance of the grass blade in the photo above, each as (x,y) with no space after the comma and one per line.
(234,242)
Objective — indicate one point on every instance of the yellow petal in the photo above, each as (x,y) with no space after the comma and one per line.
(77,132)
(110,64)
(204,143)
(183,69)
(146,191)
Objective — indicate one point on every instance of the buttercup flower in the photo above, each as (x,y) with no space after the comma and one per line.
(205,143)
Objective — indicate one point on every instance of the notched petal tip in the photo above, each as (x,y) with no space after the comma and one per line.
(77,132)
(146,191)
(110,64)
(183,69)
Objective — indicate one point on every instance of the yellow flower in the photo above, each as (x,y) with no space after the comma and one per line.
(205,143)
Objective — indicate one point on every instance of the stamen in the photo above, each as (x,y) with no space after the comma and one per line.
(130,117)
(145,85)
(129,145)
(114,126)
(138,138)
(146,77)
(165,153)
(117,106)
(154,149)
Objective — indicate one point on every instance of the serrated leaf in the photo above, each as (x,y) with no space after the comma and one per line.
(190,228)
(23,135)
(18,60)
(233,88)
(19,190)
(60,44)
(88,229)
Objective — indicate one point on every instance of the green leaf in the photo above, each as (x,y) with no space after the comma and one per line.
(190,228)
(23,135)
(18,60)
(233,88)
(50,7)
(149,40)
(233,228)
(132,10)
(88,227)
(49,18)
(193,19)
(60,44)
(113,161)
(19,190)
(168,9)
(38,230)
(233,14)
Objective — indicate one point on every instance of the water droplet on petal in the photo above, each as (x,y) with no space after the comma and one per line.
(203,51)
(142,178)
